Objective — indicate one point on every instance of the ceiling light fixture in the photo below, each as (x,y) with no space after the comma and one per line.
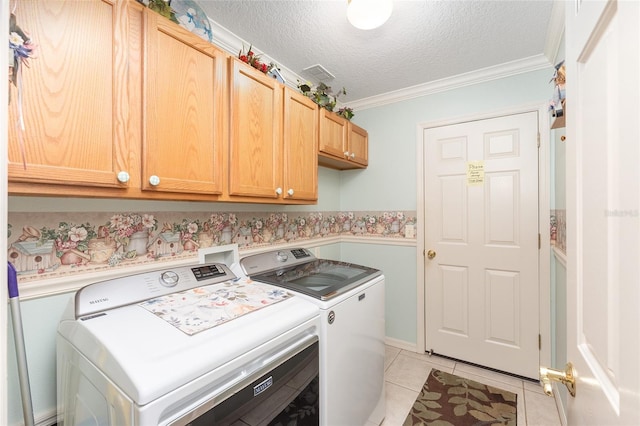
(369,14)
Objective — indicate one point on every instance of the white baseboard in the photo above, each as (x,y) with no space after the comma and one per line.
(47,418)
(401,344)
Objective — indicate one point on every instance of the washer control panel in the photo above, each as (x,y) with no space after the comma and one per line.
(169,279)
(110,294)
(273,260)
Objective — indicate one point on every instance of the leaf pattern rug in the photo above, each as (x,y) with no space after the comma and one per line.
(449,400)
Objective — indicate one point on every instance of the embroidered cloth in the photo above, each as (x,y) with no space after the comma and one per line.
(199,309)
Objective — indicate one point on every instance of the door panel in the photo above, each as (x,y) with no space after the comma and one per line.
(185,113)
(333,134)
(603,229)
(502,199)
(75,125)
(300,168)
(481,187)
(256,133)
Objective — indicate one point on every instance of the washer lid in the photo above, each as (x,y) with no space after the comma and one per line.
(148,357)
(322,279)
(299,270)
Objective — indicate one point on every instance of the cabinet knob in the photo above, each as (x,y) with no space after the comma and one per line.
(154,180)
(353,155)
(279,191)
(290,192)
(346,154)
(123,177)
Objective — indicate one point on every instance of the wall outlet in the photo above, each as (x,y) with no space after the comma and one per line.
(409,231)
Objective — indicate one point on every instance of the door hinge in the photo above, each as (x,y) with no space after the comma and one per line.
(538,139)
(539,241)
(539,342)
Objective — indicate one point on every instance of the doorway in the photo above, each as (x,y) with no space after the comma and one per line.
(482,263)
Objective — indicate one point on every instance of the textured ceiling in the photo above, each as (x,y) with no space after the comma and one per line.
(423,41)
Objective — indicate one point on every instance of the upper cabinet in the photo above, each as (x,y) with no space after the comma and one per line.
(342,144)
(185,110)
(273,139)
(120,102)
(75,108)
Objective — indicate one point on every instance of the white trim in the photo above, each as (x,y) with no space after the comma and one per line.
(544,255)
(495,72)
(421,311)
(528,107)
(559,255)
(71,283)
(544,226)
(47,418)
(555,31)
(401,344)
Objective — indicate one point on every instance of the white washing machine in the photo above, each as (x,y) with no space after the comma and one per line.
(189,345)
(351,302)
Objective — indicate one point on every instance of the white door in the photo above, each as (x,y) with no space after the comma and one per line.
(481,220)
(603,223)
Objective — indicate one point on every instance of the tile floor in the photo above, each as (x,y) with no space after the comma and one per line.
(406,372)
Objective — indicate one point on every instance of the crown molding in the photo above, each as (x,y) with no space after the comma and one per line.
(532,63)
(231,43)
(555,31)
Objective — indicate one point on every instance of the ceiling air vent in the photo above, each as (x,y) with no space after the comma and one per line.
(318,73)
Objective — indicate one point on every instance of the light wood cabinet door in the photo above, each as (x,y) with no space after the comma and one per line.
(184,113)
(75,107)
(333,134)
(255,144)
(300,168)
(358,147)
(342,144)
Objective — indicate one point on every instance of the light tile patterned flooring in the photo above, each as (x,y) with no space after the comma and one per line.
(406,372)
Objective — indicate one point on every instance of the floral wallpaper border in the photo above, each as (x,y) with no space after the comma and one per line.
(48,245)
(559,229)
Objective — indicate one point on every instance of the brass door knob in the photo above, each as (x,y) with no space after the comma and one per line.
(431,254)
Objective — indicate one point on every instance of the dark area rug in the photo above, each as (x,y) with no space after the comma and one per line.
(449,400)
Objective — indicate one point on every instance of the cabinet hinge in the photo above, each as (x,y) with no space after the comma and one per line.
(539,342)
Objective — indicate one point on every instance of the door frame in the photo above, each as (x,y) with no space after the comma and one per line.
(544,254)
(4,115)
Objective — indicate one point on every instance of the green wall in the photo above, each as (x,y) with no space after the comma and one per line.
(397,263)
(390,181)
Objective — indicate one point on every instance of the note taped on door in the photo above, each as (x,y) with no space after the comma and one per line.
(475,173)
